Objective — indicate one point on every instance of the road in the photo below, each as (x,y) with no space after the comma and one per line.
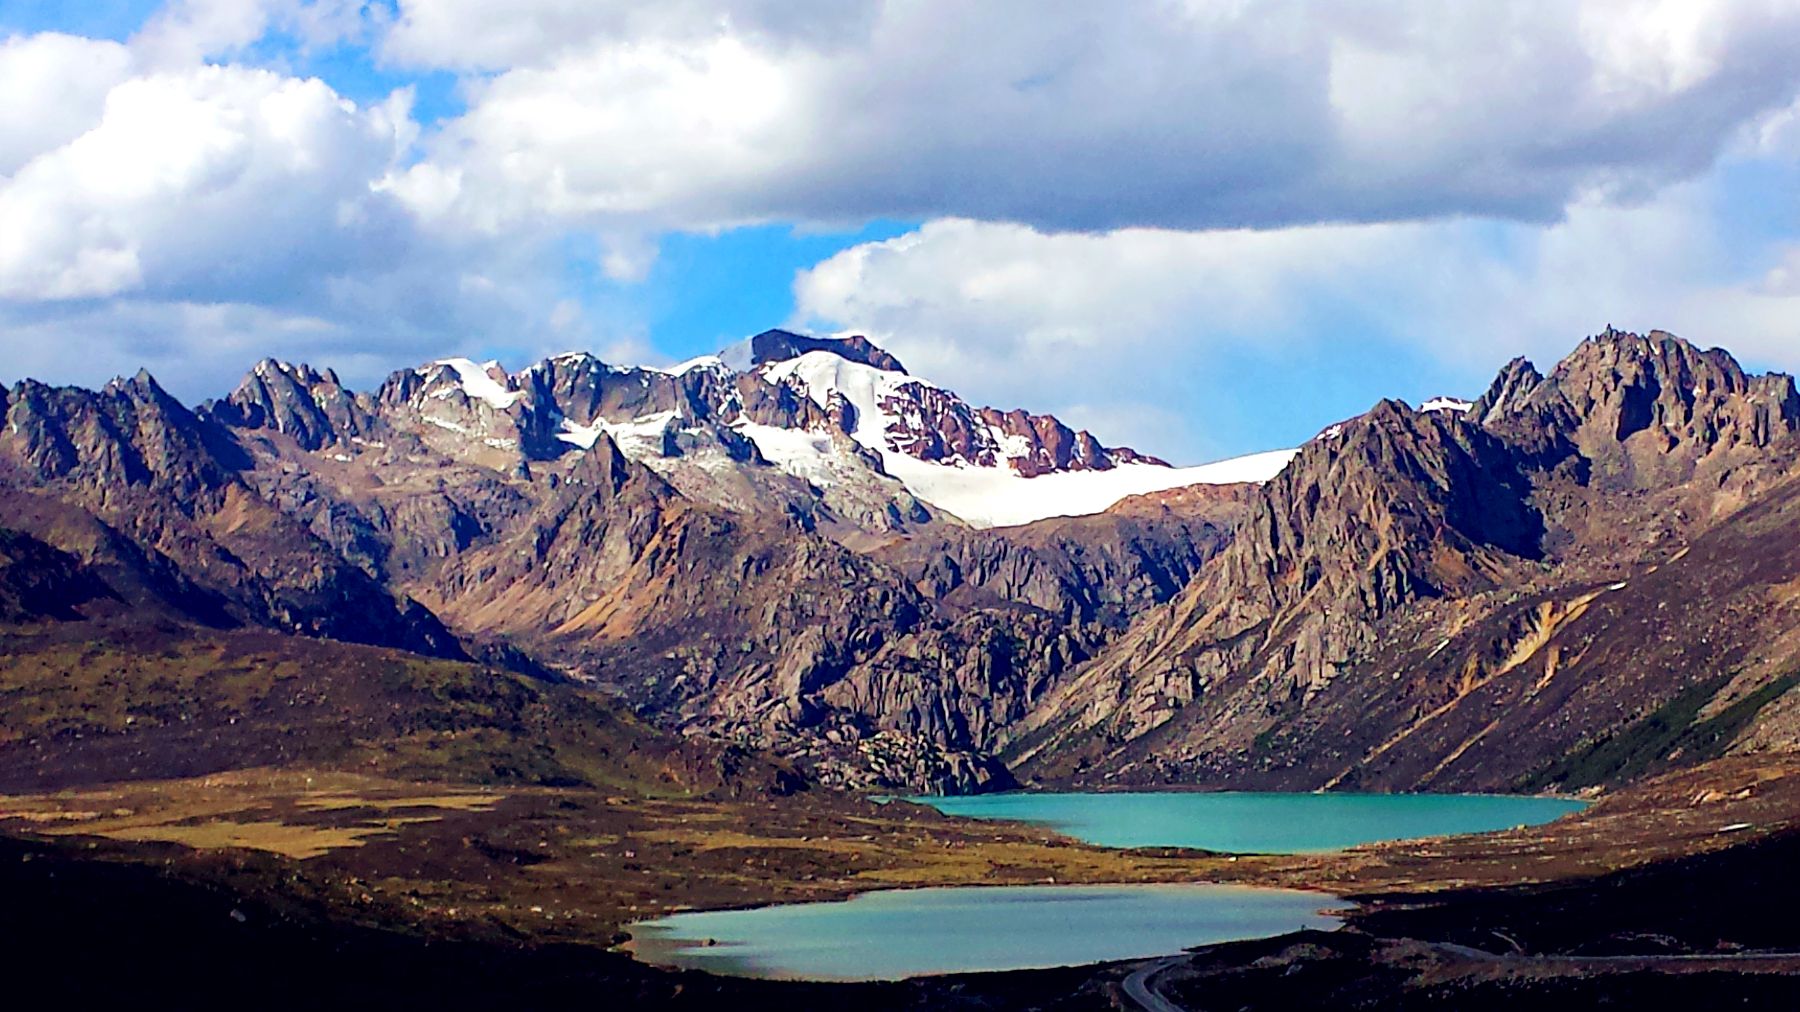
(1141,988)
(1466,952)
(1141,985)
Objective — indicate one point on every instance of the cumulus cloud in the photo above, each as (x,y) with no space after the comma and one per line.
(212,182)
(48,106)
(1083,116)
(195,217)
(1136,197)
(1103,325)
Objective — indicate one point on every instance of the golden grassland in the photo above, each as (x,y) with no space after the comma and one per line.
(239,810)
(575,860)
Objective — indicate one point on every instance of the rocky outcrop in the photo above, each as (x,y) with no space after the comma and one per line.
(927,422)
(312,407)
(1044,445)
(142,465)
(890,759)
(781,345)
(1412,583)
(1642,412)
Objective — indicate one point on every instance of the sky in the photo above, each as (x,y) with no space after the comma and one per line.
(1196,227)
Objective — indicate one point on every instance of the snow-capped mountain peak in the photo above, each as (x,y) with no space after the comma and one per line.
(839,420)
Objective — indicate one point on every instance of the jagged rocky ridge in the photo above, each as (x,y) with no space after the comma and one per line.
(748,607)
(783,422)
(1477,596)
(128,480)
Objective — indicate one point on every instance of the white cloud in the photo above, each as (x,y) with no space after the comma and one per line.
(185,32)
(1107,325)
(221,180)
(197,217)
(482,35)
(1193,183)
(55,86)
(695,115)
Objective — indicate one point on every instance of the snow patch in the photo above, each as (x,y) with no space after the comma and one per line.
(1001,497)
(683,368)
(480,385)
(995,496)
(738,357)
(639,437)
(804,454)
(1447,404)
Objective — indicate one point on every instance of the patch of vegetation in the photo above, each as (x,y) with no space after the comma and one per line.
(90,703)
(299,842)
(1672,732)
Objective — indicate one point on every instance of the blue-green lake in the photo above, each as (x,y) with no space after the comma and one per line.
(913,932)
(904,933)
(1246,823)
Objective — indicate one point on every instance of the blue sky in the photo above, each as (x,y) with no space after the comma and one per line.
(1199,232)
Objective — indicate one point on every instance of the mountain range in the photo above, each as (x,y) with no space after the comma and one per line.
(798,548)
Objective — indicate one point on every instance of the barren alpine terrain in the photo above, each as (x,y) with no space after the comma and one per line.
(448,684)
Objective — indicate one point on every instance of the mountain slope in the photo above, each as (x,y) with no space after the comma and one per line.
(744,626)
(753,547)
(1397,609)
(130,478)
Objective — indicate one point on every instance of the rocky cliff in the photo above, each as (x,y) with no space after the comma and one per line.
(1410,570)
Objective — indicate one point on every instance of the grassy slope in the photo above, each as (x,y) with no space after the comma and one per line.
(94,702)
(1674,733)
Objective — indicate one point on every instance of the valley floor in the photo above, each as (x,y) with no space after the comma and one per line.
(345,885)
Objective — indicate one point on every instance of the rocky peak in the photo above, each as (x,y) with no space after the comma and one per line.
(1397,504)
(313,407)
(1385,509)
(604,470)
(1508,394)
(891,412)
(131,432)
(1047,445)
(583,389)
(461,408)
(781,345)
(1642,410)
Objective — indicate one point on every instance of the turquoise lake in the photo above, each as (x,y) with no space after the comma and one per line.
(904,933)
(1245,823)
(912,932)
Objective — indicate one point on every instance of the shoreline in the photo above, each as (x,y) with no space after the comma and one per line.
(1333,907)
